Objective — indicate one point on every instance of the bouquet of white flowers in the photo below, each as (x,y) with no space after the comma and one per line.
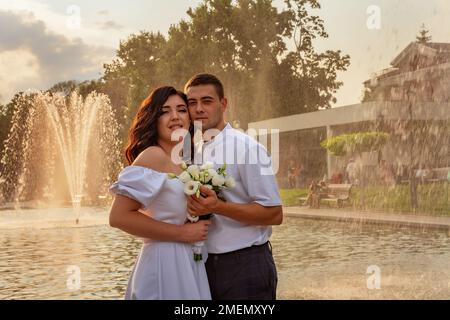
(193,177)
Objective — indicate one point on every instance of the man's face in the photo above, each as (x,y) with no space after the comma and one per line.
(205,105)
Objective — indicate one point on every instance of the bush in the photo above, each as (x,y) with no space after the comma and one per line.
(355,143)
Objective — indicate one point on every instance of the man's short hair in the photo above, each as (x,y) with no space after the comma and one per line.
(204,79)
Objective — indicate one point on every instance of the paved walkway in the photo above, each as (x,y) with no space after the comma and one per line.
(370,217)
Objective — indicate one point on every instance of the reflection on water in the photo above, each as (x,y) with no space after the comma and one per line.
(315,260)
(329,260)
(33,263)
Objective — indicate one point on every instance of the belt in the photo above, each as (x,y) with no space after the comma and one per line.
(252,248)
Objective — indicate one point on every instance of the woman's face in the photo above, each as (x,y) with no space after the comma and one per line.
(174,115)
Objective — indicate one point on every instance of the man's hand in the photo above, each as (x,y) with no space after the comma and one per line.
(247,213)
(203,205)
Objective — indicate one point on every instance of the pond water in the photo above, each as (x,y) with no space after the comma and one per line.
(316,259)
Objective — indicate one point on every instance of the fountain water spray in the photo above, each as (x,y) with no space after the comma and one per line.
(60,148)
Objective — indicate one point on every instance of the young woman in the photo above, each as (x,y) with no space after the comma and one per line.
(150,206)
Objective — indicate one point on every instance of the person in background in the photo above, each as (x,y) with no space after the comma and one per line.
(311,199)
(386,174)
(337,178)
(293,173)
(351,171)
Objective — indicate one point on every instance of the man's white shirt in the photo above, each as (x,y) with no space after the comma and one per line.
(250,165)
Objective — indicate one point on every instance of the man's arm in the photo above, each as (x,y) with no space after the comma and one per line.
(249,213)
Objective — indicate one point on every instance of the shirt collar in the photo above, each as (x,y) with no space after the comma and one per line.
(219,137)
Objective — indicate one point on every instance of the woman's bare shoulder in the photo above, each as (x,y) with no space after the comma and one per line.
(153,157)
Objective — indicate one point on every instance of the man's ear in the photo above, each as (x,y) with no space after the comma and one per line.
(224,104)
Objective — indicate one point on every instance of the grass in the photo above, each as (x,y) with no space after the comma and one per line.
(289,197)
(434,199)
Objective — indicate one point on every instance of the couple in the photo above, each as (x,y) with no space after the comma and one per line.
(237,262)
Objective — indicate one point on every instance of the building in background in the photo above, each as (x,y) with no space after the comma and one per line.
(410,101)
(420,72)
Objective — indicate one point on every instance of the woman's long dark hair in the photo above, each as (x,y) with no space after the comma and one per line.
(143,132)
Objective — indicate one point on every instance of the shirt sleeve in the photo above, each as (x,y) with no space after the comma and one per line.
(139,183)
(258,178)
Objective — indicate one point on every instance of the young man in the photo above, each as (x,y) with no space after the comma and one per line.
(240,264)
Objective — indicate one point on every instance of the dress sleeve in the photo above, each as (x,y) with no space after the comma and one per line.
(139,183)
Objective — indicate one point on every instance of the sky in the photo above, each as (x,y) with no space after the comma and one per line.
(43,42)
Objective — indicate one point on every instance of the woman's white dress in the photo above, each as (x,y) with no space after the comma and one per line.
(163,270)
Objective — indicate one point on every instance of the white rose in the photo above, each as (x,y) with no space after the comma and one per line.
(183,165)
(194,171)
(191,187)
(209,174)
(212,172)
(207,165)
(184,177)
(230,183)
(218,180)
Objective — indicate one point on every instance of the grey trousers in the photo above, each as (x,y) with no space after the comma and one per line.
(245,274)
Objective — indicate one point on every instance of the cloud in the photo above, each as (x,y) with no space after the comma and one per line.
(33,57)
(18,69)
(59,19)
(108,25)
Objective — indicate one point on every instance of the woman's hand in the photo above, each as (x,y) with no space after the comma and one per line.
(193,232)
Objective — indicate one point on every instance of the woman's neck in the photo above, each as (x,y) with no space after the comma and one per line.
(166,146)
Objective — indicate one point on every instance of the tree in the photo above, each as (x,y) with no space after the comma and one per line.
(243,43)
(17,111)
(423,36)
(219,39)
(64,87)
(5,123)
(313,81)
(137,67)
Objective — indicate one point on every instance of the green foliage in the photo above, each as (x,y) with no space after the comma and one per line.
(355,143)
(5,123)
(289,197)
(64,87)
(137,67)
(243,43)
(83,88)
(433,199)
(6,116)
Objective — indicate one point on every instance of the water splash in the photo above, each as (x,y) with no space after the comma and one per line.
(60,149)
